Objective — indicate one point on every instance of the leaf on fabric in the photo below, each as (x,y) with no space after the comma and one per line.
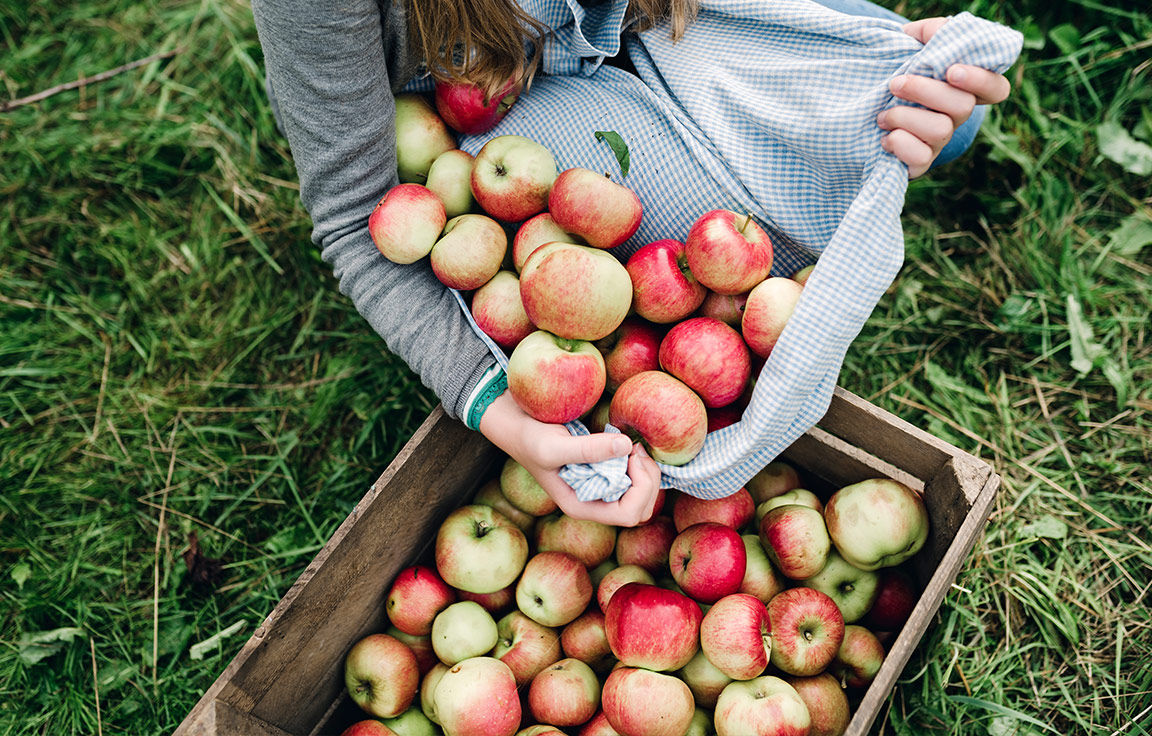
(618,146)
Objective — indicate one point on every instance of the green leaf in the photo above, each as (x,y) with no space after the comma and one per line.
(941,380)
(618,146)
(20,573)
(1134,232)
(1118,145)
(42,644)
(1085,350)
(1048,527)
(1066,38)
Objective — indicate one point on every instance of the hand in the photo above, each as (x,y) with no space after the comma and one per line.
(918,135)
(545,448)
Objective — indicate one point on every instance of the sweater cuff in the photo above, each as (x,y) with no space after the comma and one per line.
(488,388)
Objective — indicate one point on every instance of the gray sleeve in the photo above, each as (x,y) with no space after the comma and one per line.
(329,66)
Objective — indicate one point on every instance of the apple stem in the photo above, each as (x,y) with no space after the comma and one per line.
(747,219)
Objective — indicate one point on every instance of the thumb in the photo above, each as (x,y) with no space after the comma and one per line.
(602,446)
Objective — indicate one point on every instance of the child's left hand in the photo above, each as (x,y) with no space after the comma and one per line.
(917,134)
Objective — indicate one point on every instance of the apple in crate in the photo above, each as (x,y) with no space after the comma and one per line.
(736,636)
(734,510)
(469,252)
(469,109)
(895,598)
(801,496)
(767,311)
(765,706)
(525,646)
(633,347)
(421,646)
(827,703)
(575,291)
(553,589)
(511,177)
(807,630)
(381,675)
(406,223)
(592,206)
(640,702)
(428,690)
(616,579)
(646,544)
(877,523)
(535,232)
(478,697)
(796,540)
(450,179)
(588,541)
(598,726)
(728,252)
(586,640)
(555,379)
(710,357)
(416,596)
(368,728)
(708,561)
(652,627)
(523,490)
(853,589)
(491,495)
(421,136)
(499,313)
(463,630)
(773,479)
(728,308)
(412,722)
(566,693)
(760,578)
(662,412)
(479,550)
(663,287)
(704,679)
(859,657)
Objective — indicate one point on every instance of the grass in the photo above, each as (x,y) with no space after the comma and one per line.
(179,376)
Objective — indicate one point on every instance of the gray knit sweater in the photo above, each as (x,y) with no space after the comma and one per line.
(332,69)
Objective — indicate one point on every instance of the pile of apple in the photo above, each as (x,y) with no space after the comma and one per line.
(663,346)
(762,613)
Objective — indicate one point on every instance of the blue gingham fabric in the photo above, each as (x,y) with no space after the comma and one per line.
(762,107)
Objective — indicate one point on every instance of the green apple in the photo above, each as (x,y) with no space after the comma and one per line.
(853,589)
(421,136)
(876,523)
(463,630)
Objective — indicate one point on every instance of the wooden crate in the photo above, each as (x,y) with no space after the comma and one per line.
(288,678)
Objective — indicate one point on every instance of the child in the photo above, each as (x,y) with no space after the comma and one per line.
(333,69)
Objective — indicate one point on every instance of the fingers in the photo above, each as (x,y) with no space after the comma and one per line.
(915,153)
(922,30)
(636,505)
(566,449)
(986,86)
(935,129)
(935,94)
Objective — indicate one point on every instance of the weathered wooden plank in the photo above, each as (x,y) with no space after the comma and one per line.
(218,717)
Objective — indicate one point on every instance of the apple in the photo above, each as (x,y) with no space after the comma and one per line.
(796,540)
(596,419)
(724,416)
(700,725)
(428,691)
(858,659)
(511,177)
(575,291)
(497,603)
(406,223)
(639,702)
(633,347)
(876,523)
(708,561)
(598,726)
(535,232)
(760,578)
(479,550)
(469,109)
(896,596)
(801,496)
(478,697)
(540,729)
(421,136)
(704,679)
(801,276)
(555,379)
(421,646)
(734,510)
(652,627)
(773,479)
(523,491)
(728,308)
(586,640)
(589,204)
(463,630)
(663,287)
(710,357)
(807,630)
(588,541)
(368,728)
(490,494)
(499,313)
(469,252)
(646,544)
(663,413)
(735,635)
(853,589)
(729,253)
(769,307)
(566,693)
(381,675)
(412,722)
(765,706)
(826,701)
(617,578)
(416,596)
(450,179)
(554,588)
(525,646)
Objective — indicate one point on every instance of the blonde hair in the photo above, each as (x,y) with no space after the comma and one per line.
(483,41)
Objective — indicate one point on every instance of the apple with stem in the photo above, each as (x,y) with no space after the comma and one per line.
(663,287)
(853,589)
(491,495)
(859,658)
(728,252)
(381,675)
(554,588)
(807,630)
(470,109)
(707,561)
(416,596)
(728,308)
(479,550)
(589,204)
(525,646)
(512,176)
(555,379)
(764,706)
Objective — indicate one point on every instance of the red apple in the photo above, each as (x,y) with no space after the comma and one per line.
(586,640)
(775,478)
(858,659)
(710,357)
(498,311)
(406,223)
(796,540)
(647,544)
(633,347)
(566,693)
(617,578)
(651,627)
(554,588)
(760,577)
(724,416)
(575,291)
(381,675)
(663,288)
(497,603)
(416,596)
(450,179)
(511,177)
(588,541)
(555,379)
(728,308)
(523,491)
(421,646)
(478,697)
(896,596)
(807,630)
(525,646)
(735,635)
(639,702)
(663,413)
(826,701)
(598,726)
(877,523)
(368,728)
(589,204)
(734,510)
(765,706)
(421,136)
(728,253)
(469,252)
(708,561)
(535,232)
(479,550)
(469,109)
(767,311)
(704,679)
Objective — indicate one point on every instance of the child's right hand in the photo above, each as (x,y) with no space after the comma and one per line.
(545,448)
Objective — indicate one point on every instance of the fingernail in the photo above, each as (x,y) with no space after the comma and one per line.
(957,74)
(897,83)
(882,119)
(621,445)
